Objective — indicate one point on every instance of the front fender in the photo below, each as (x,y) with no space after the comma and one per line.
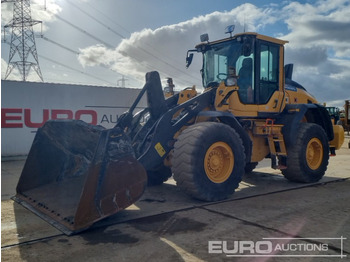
(231,120)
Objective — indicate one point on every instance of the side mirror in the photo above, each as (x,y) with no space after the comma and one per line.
(288,71)
(189,59)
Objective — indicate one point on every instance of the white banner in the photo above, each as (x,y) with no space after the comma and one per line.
(26,106)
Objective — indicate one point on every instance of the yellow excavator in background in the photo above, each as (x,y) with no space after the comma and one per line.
(250,109)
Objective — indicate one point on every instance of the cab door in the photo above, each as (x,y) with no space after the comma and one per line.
(269,81)
(262,95)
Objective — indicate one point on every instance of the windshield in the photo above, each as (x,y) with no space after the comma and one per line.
(219,58)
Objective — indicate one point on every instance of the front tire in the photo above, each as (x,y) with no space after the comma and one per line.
(307,159)
(208,161)
(158,176)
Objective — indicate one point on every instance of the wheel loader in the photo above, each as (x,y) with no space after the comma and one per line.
(250,109)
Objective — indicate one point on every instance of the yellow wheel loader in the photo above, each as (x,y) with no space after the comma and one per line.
(250,109)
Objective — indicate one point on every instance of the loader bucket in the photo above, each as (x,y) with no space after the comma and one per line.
(77,174)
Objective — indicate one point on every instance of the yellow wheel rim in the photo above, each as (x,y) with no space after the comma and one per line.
(314,153)
(219,162)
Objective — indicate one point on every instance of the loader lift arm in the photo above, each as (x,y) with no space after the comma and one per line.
(154,140)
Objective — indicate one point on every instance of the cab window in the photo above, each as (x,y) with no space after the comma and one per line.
(269,60)
(245,67)
(221,69)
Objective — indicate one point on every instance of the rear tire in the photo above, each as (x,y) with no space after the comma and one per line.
(249,167)
(208,161)
(307,159)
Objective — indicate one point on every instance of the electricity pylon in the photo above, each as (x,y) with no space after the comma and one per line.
(22,40)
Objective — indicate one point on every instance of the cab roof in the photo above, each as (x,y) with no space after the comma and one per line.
(258,36)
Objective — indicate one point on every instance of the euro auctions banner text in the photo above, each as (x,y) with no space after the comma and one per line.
(26,106)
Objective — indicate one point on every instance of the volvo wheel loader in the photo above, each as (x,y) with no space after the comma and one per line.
(250,109)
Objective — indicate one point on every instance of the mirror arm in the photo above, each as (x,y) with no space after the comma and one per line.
(189,57)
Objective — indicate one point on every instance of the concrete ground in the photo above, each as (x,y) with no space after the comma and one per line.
(268,219)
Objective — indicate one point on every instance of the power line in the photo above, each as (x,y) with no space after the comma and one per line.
(74,69)
(110,46)
(109,18)
(113,21)
(81,30)
(96,20)
(123,37)
(29,65)
(66,66)
(60,45)
(75,52)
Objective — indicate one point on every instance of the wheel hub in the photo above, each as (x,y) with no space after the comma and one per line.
(219,162)
(314,153)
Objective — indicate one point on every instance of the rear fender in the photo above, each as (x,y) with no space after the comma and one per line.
(294,114)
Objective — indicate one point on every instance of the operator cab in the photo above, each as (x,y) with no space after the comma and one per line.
(251,61)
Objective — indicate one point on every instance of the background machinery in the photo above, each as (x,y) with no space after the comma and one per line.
(334,113)
(346,117)
(250,109)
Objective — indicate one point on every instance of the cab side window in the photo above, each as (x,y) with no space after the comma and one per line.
(245,66)
(268,72)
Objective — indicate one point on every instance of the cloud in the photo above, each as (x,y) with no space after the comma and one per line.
(326,84)
(318,37)
(96,55)
(46,13)
(6,12)
(325,24)
(164,48)
(306,56)
(13,76)
(39,11)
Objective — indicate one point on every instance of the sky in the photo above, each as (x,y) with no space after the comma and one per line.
(102,42)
